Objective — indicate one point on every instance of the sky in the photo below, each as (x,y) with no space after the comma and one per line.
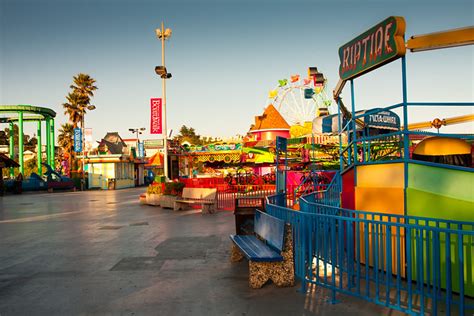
(225,56)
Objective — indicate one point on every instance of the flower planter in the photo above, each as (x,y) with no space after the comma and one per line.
(153,199)
(167,201)
(143,198)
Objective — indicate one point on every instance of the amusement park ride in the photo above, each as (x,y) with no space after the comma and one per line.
(396,231)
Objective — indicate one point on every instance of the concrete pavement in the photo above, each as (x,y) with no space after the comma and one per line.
(102,253)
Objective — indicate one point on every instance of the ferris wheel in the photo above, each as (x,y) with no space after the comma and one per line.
(301,100)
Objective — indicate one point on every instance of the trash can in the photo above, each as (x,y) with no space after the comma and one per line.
(111,184)
(244,213)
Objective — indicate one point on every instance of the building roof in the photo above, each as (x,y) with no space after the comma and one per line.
(6,162)
(270,119)
(114,137)
(112,143)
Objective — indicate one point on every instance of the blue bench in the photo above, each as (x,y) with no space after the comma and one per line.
(269,251)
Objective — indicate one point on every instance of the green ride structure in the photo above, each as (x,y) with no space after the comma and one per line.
(19,114)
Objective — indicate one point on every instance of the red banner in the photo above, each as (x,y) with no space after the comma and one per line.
(156,126)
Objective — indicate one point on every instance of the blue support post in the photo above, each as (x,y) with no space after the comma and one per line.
(461,270)
(406,150)
(354,133)
(339,128)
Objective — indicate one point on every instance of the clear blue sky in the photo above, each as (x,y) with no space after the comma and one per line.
(225,56)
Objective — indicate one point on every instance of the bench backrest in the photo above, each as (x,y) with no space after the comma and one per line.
(199,193)
(270,228)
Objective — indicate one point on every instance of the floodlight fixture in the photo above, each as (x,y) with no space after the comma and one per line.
(162,72)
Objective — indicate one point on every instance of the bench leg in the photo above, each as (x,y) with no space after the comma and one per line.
(208,209)
(235,254)
(281,273)
(179,206)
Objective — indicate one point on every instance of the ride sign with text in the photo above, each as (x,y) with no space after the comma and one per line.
(379,45)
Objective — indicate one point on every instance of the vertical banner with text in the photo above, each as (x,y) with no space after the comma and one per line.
(156,126)
(88,139)
(77,140)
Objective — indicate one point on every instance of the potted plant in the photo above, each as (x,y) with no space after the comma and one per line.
(153,194)
(171,193)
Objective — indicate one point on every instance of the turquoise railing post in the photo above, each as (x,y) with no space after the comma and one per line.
(461,268)
(448,272)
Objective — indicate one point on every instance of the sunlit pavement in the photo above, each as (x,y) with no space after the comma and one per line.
(101,252)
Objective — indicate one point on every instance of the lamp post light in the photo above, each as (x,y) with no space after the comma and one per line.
(137,131)
(90,108)
(162,35)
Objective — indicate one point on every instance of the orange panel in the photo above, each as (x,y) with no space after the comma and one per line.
(387,201)
(384,176)
(382,200)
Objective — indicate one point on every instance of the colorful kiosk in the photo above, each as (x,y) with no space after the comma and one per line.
(113,167)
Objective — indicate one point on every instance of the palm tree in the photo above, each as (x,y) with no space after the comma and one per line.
(84,87)
(78,101)
(74,107)
(66,140)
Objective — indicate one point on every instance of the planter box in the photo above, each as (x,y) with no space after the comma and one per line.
(167,201)
(153,199)
(143,198)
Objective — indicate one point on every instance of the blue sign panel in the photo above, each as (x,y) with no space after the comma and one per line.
(281,143)
(77,140)
(141,150)
(382,119)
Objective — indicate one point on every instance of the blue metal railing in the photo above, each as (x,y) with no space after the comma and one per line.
(313,183)
(412,264)
(392,147)
(331,195)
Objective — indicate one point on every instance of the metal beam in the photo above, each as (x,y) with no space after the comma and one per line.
(445,122)
(443,39)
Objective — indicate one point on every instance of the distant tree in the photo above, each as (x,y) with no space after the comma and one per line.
(66,140)
(31,143)
(28,142)
(188,134)
(4,138)
(30,167)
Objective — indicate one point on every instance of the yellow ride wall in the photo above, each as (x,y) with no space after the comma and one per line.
(380,189)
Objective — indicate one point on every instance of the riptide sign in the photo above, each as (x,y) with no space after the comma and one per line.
(378,46)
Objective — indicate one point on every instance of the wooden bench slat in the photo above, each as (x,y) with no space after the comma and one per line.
(201,196)
(195,201)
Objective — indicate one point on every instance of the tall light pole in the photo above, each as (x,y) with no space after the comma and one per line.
(164,34)
(90,108)
(138,131)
